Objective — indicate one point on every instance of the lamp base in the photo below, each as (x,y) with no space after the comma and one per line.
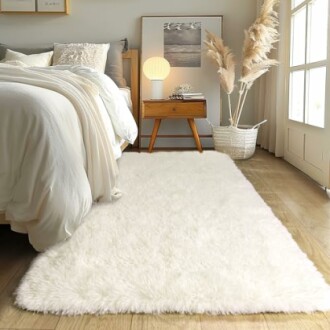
(157,89)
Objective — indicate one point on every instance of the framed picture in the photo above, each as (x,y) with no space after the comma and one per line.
(58,6)
(179,39)
(18,5)
(34,6)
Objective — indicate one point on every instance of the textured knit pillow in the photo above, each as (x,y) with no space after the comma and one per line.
(40,60)
(91,55)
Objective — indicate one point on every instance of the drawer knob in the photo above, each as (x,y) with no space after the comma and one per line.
(173,109)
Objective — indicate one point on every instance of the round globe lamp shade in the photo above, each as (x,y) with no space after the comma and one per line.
(156,69)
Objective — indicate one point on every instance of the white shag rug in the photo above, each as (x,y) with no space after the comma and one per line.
(190,234)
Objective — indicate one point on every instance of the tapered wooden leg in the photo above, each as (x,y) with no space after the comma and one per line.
(193,127)
(154,134)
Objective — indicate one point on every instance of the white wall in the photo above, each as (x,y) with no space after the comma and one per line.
(106,20)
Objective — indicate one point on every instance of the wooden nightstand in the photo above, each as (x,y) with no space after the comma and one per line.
(174,109)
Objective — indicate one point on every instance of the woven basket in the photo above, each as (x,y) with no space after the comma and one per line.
(238,143)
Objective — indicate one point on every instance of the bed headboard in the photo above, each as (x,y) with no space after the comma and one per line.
(132,55)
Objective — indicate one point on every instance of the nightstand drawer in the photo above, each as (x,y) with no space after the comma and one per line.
(174,109)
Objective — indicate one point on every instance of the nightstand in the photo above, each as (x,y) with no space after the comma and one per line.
(174,109)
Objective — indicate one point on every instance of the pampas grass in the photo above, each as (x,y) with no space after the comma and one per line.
(258,43)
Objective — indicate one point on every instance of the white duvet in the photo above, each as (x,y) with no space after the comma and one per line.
(57,127)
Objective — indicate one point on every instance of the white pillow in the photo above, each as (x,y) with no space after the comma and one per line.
(15,63)
(91,55)
(40,60)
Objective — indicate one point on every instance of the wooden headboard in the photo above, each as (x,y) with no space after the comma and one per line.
(132,56)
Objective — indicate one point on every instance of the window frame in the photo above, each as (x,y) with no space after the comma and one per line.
(307,66)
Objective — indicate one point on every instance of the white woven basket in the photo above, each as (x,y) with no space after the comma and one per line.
(238,143)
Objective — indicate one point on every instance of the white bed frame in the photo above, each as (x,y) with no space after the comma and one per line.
(131,59)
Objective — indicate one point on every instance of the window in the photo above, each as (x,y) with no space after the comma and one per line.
(308,61)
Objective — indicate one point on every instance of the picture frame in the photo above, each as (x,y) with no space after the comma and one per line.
(17,6)
(189,65)
(34,6)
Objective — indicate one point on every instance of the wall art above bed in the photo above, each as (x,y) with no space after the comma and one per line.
(34,6)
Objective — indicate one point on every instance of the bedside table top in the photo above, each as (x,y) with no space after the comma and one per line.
(173,101)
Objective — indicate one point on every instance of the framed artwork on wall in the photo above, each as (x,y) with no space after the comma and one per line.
(34,6)
(18,5)
(58,6)
(179,39)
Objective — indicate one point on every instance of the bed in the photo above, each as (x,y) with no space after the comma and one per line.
(79,141)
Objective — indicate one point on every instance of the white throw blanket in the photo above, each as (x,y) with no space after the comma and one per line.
(56,157)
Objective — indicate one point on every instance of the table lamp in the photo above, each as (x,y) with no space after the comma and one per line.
(156,69)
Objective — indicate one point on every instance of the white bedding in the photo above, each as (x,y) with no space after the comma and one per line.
(59,132)
(126,92)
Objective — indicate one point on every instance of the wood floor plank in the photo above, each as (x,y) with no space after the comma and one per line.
(12,317)
(233,322)
(297,321)
(256,180)
(302,235)
(282,213)
(290,213)
(312,248)
(327,315)
(166,322)
(316,221)
(99,322)
(15,248)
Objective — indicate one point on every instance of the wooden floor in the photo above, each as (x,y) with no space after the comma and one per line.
(299,203)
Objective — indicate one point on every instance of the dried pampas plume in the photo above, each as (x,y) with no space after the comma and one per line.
(225,60)
(258,43)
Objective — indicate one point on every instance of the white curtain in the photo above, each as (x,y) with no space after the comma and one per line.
(271,92)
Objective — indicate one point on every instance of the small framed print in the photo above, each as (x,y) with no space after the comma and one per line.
(51,6)
(34,6)
(17,6)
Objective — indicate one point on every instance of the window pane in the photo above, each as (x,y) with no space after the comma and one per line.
(318,10)
(296,3)
(316,97)
(296,109)
(298,37)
